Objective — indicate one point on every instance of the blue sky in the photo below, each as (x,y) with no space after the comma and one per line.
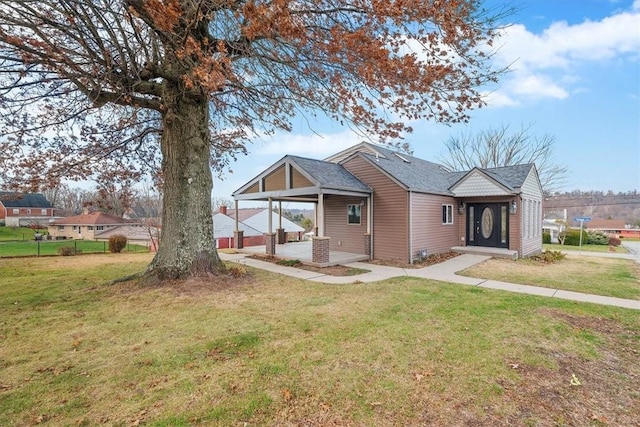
(575,76)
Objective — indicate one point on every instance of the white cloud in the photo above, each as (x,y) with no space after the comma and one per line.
(542,64)
(313,145)
(499,98)
(537,86)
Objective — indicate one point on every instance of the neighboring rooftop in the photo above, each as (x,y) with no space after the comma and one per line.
(93,218)
(24,200)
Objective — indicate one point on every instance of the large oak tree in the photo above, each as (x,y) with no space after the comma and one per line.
(180,86)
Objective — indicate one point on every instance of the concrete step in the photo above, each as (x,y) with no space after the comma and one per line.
(492,252)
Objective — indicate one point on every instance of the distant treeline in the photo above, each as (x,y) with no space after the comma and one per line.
(596,204)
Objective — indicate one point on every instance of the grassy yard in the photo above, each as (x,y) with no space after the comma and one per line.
(601,276)
(32,248)
(15,233)
(585,248)
(271,350)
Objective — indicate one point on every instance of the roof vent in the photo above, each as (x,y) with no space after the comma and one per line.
(402,158)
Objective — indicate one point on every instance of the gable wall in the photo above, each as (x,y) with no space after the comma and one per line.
(477,185)
(298,180)
(3,212)
(426,223)
(343,236)
(275,180)
(390,230)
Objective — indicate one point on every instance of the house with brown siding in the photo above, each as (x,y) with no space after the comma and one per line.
(389,205)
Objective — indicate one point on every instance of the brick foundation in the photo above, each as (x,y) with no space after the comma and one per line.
(367,244)
(320,250)
(282,236)
(270,243)
(238,239)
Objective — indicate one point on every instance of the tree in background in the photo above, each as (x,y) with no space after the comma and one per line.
(499,147)
(179,87)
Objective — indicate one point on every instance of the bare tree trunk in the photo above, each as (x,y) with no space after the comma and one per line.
(187,247)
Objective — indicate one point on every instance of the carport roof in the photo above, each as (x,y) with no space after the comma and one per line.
(319,176)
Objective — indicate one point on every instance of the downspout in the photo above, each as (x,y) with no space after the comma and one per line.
(369,225)
(410,230)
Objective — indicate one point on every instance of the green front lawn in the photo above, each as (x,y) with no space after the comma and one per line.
(270,350)
(46,247)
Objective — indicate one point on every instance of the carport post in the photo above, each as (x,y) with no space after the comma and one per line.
(320,215)
(270,216)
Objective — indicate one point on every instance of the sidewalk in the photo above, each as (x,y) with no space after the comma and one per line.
(445,272)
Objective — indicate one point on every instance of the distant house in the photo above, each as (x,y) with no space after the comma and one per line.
(258,219)
(385,204)
(24,209)
(553,227)
(223,231)
(85,226)
(135,234)
(607,226)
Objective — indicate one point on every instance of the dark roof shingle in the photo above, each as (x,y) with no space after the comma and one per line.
(24,200)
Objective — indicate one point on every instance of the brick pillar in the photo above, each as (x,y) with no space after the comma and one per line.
(320,250)
(270,243)
(238,239)
(367,244)
(281,236)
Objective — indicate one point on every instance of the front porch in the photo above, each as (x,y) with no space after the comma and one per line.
(303,252)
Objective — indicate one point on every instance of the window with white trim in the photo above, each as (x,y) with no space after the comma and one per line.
(100,227)
(354,214)
(447,214)
(16,211)
(43,212)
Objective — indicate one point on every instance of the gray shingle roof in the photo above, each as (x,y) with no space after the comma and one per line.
(330,175)
(24,200)
(421,175)
(416,174)
(511,176)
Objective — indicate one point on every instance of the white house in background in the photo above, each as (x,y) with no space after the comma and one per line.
(258,218)
(135,234)
(554,227)
(224,226)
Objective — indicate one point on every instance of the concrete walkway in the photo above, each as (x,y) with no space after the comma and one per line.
(445,272)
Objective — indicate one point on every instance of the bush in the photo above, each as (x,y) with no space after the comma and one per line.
(572,237)
(237,271)
(546,237)
(289,262)
(68,251)
(614,241)
(549,257)
(597,238)
(117,243)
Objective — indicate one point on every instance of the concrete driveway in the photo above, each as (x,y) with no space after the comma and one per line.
(633,246)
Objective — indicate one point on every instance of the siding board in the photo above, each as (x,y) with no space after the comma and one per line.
(428,231)
(390,211)
(343,236)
